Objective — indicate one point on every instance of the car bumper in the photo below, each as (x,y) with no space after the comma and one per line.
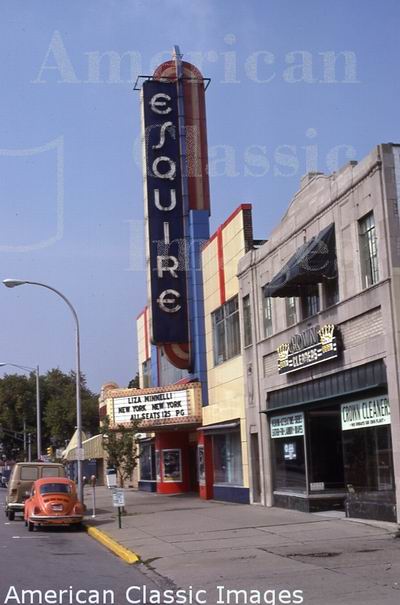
(15,506)
(56,518)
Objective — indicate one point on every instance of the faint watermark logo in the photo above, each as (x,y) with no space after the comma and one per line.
(231,66)
(26,173)
(257,160)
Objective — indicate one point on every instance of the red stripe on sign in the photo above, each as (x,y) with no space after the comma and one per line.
(221,269)
(146,333)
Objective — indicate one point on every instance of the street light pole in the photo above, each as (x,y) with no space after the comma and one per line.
(38,414)
(38,422)
(12,283)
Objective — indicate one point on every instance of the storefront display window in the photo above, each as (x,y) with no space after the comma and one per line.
(287,438)
(368,459)
(227,456)
(147,462)
(201,469)
(289,464)
(172,465)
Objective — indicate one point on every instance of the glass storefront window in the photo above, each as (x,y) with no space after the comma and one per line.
(172,466)
(147,462)
(368,462)
(201,468)
(227,458)
(317,451)
(289,466)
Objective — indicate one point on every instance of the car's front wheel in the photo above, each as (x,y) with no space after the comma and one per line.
(11,515)
(31,526)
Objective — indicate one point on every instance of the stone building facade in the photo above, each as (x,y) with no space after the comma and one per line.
(321,300)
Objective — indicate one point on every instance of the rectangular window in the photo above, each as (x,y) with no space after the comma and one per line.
(146,373)
(331,291)
(247,321)
(291,313)
(227,458)
(368,459)
(29,473)
(147,462)
(226,331)
(267,313)
(310,304)
(368,250)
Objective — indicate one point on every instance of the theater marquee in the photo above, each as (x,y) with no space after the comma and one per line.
(314,345)
(157,407)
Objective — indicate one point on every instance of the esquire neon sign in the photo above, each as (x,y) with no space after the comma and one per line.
(166,256)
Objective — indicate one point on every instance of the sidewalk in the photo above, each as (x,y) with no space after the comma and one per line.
(192,542)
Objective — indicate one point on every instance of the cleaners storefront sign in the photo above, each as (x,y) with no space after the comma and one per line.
(314,345)
(154,407)
(365,413)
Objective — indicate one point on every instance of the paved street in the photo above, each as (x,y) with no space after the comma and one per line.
(57,559)
(187,542)
(190,541)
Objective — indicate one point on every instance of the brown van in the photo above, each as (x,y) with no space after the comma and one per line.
(22,477)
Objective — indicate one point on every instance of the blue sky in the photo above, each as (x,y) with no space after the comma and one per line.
(70,175)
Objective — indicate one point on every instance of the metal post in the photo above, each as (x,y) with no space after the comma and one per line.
(93,501)
(38,417)
(12,283)
(119,517)
(29,447)
(24,434)
(78,408)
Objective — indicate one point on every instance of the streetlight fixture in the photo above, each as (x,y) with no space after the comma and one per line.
(38,422)
(12,283)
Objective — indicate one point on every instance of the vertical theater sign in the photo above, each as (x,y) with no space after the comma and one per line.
(175,188)
(165,213)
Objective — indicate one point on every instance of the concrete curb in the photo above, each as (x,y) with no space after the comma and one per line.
(123,553)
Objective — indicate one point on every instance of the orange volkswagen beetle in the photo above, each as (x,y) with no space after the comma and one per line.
(53,501)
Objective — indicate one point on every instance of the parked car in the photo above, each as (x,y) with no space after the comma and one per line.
(22,477)
(53,501)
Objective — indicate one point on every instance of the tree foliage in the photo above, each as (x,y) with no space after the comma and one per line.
(119,442)
(58,407)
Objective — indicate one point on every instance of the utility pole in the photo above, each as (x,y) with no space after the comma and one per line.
(24,433)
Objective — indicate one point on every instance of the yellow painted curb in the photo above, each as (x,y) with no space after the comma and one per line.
(124,553)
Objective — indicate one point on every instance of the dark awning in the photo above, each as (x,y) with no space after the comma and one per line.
(310,265)
(221,427)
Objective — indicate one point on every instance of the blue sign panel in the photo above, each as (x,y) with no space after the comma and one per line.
(167,258)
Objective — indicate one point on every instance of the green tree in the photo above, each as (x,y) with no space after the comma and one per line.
(60,408)
(17,412)
(119,442)
(58,405)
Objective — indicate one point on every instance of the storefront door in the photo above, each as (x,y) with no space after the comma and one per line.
(325,453)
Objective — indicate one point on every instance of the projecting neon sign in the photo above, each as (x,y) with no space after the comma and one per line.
(164,213)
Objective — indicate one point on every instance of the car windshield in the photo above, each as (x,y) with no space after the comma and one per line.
(55,488)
